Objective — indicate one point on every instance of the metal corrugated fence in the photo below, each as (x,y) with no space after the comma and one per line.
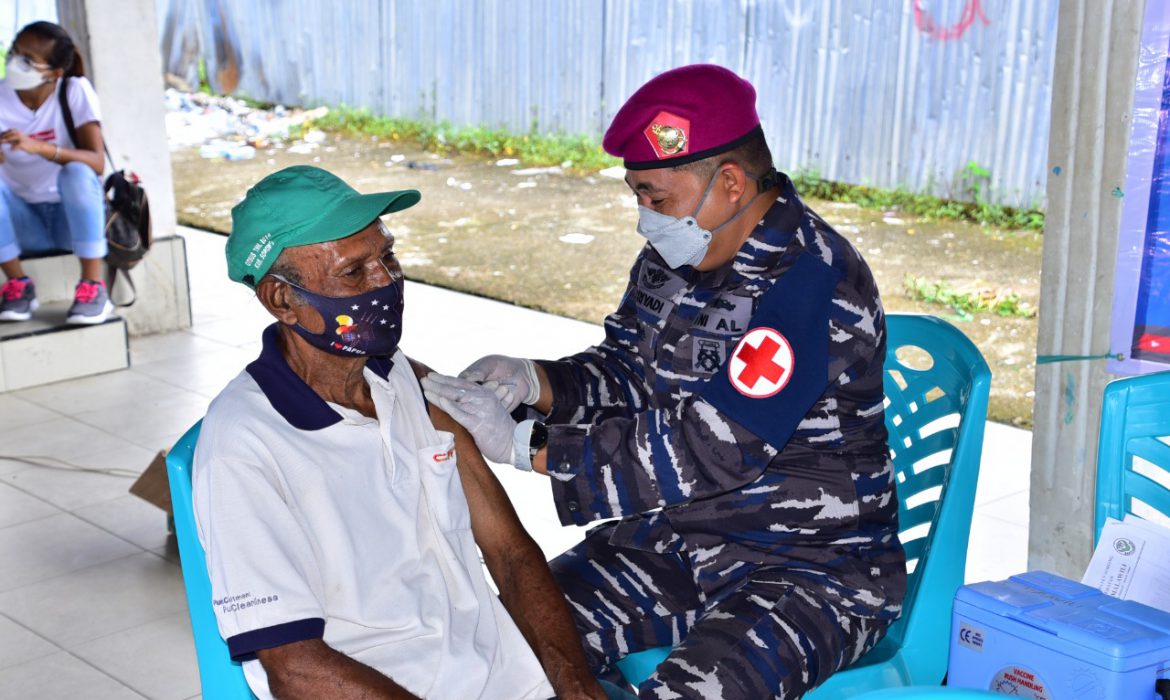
(891,93)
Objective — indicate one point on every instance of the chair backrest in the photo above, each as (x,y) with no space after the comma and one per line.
(937,386)
(1133,451)
(220,676)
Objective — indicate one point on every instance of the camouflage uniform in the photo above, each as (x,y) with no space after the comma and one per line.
(761,533)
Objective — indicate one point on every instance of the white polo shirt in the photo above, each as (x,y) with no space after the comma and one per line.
(319,522)
(31,177)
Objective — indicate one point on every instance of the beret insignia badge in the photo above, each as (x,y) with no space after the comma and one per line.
(668,135)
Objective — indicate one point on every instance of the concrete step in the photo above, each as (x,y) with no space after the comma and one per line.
(45,349)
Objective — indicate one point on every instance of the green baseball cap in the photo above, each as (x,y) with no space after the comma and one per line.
(297,206)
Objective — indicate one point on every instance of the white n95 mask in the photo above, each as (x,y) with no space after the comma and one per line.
(21,75)
(679,241)
(682,241)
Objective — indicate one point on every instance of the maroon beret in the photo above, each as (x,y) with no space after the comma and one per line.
(683,115)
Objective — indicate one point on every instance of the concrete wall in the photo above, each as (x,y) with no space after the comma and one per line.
(1092,96)
(120,41)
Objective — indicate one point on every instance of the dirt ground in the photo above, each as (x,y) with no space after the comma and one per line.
(564,243)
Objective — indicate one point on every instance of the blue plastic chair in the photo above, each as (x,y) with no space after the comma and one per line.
(221,677)
(1135,413)
(936,410)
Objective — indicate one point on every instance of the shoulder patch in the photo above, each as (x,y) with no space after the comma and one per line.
(761,364)
(779,368)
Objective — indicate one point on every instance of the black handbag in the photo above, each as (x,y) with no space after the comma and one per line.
(128,229)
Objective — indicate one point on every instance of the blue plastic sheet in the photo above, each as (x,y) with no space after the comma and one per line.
(1141,306)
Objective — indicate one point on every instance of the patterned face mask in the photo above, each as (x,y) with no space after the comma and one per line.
(363,324)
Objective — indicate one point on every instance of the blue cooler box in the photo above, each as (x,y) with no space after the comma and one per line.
(1044,637)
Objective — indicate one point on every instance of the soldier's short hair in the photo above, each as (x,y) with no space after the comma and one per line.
(753,156)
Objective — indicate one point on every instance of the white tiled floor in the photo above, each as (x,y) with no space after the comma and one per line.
(91,601)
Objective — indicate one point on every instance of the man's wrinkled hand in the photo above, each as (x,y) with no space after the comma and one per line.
(478,409)
(513,379)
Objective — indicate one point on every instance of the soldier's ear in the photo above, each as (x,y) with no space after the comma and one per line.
(733,178)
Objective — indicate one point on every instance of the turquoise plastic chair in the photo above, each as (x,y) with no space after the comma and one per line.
(1135,413)
(221,677)
(937,385)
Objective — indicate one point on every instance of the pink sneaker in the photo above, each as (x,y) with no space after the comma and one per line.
(18,299)
(91,303)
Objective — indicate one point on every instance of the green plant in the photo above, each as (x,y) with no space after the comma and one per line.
(583,153)
(810,184)
(967,303)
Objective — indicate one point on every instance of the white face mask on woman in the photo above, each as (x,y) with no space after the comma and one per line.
(23,74)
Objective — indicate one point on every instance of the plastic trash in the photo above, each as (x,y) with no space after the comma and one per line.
(576,238)
(507,162)
(531,171)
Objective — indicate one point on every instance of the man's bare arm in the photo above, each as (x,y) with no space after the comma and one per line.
(527,588)
(312,669)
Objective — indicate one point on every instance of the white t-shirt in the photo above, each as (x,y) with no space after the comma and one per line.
(319,522)
(31,177)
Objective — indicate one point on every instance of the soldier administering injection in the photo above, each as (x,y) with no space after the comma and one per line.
(732,419)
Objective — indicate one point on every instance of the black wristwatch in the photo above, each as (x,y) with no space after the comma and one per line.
(537,440)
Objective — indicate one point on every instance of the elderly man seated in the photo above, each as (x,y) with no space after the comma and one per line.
(340,517)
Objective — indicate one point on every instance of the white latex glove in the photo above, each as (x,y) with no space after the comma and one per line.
(476,408)
(513,379)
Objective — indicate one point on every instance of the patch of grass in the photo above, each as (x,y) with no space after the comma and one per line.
(967,303)
(583,153)
(928,206)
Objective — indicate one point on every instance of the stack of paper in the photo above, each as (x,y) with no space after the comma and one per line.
(1132,562)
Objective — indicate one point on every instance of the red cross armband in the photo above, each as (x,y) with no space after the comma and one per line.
(779,367)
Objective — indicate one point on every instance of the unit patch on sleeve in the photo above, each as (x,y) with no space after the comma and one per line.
(761,364)
(779,368)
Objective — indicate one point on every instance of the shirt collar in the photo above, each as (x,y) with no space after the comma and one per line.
(294,400)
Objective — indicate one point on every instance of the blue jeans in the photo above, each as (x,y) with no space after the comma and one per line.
(76,223)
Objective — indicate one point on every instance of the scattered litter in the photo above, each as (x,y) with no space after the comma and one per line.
(302,148)
(616,172)
(397,158)
(465,186)
(507,162)
(415,165)
(524,172)
(227,150)
(197,119)
(314,136)
(527,184)
(894,221)
(576,238)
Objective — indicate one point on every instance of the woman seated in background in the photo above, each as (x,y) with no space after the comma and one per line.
(50,189)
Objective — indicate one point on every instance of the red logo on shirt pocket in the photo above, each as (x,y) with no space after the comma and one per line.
(444,456)
(46,135)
